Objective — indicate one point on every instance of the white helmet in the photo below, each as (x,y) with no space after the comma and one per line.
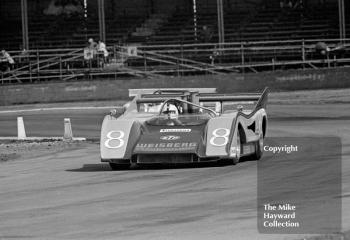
(171,110)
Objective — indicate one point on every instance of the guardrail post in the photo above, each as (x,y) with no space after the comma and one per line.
(60,67)
(30,72)
(37,63)
(144,62)
(328,61)
(178,67)
(242,57)
(37,59)
(303,52)
(114,53)
(182,58)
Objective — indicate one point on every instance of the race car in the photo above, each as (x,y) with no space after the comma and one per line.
(175,126)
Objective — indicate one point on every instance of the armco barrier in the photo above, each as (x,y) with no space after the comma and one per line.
(118,89)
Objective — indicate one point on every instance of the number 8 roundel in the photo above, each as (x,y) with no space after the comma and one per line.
(220,137)
(115,139)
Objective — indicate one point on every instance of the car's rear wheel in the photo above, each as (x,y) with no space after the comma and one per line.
(118,166)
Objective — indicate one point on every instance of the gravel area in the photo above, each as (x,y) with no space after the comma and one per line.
(12,150)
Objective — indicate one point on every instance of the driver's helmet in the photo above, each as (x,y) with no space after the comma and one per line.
(171,110)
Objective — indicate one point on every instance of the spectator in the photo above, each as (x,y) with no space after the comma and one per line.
(286,4)
(54,8)
(6,60)
(322,50)
(67,7)
(90,51)
(206,34)
(214,56)
(282,4)
(102,50)
(92,44)
(23,56)
(299,4)
(73,7)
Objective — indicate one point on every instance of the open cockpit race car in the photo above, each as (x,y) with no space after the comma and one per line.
(171,126)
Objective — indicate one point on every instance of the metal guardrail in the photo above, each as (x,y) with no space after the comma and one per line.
(174,59)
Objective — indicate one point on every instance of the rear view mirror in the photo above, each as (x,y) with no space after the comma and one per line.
(239,108)
(117,111)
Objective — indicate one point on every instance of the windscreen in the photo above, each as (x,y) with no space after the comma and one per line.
(149,107)
(180,120)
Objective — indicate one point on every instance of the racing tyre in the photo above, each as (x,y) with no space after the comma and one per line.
(238,150)
(259,146)
(116,166)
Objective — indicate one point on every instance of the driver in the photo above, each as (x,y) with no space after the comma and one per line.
(172,111)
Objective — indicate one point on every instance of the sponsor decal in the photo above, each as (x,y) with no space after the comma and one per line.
(179,130)
(162,147)
(116,137)
(169,138)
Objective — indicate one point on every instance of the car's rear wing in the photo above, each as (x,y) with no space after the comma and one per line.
(168,91)
(259,99)
(255,100)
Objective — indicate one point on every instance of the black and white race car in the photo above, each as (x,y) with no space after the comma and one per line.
(184,126)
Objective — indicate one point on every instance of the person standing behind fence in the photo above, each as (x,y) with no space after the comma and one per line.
(92,44)
(90,51)
(92,47)
(7,60)
(102,49)
(205,34)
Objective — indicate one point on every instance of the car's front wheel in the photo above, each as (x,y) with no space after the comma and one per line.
(235,160)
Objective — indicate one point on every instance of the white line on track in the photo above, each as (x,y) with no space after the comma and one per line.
(54,109)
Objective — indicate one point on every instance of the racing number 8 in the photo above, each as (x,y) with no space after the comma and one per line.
(220,133)
(119,138)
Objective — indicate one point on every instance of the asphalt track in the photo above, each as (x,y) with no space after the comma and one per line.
(71,195)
